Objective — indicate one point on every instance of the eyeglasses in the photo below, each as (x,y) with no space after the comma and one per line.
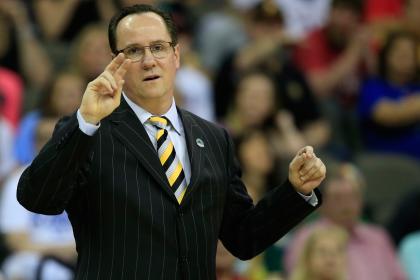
(136,53)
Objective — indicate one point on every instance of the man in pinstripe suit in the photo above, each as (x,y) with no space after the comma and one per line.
(117,164)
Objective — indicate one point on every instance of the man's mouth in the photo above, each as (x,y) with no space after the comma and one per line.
(151,78)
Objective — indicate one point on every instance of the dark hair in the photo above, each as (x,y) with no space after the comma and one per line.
(390,40)
(139,9)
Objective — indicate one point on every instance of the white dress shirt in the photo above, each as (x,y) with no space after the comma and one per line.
(175,131)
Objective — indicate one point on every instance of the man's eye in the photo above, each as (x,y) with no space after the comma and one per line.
(157,48)
(133,51)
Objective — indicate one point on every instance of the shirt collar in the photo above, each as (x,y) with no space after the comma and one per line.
(143,115)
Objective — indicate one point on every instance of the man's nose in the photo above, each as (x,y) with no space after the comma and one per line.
(148,59)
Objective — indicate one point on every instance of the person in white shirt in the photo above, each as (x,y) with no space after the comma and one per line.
(32,236)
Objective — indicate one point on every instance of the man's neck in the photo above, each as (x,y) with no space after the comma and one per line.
(155,106)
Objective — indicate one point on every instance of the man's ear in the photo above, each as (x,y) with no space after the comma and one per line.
(177,52)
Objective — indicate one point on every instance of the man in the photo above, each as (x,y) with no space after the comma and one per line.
(370,253)
(132,217)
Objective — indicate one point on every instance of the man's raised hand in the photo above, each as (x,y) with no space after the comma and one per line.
(103,94)
(306,171)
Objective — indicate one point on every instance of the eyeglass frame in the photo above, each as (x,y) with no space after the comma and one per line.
(171,44)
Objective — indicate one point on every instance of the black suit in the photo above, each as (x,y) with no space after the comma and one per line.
(128,223)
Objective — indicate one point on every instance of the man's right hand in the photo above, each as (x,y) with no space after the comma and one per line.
(103,94)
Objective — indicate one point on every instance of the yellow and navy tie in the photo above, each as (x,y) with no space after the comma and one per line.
(170,162)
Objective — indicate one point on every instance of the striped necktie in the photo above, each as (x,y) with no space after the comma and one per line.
(170,162)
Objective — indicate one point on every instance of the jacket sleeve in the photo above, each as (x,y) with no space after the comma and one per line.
(49,183)
(248,229)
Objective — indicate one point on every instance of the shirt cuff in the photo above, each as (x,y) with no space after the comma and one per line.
(311,199)
(85,127)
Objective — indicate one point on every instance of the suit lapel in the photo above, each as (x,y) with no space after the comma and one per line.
(192,134)
(126,127)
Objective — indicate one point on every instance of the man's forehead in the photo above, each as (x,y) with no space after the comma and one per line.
(141,20)
(142,28)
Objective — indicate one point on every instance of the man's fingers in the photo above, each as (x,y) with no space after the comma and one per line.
(311,173)
(115,63)
(304,155)
(306,171)
(114,73)
(313,183)
(307,150)
(318,172)
(110,79)
(310,162)
(297,162)
(119,74)
(102,82)
(117,94)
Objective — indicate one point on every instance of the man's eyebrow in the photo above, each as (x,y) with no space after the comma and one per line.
(151,43)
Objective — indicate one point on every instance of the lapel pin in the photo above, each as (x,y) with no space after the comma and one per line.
(199,142)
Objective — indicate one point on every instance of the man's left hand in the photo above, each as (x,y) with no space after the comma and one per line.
(306,171)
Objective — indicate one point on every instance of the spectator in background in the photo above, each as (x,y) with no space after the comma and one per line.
(390,103)
(20,49)
(267,51)
(391,16)
(265,31)
(62,21)
(331,57)
(371,254)
(335,59)
(324,256)
(260,174)
(62,98)
(411,19)
(90,51)
(257,161)
(30,236)
(255,108)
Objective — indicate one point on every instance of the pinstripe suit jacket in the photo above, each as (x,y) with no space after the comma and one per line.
(127,222)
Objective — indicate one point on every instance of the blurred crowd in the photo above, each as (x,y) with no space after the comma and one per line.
(339,75)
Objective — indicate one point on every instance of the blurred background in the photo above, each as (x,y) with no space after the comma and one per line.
(340,75)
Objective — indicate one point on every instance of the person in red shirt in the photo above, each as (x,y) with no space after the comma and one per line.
(331,56)
(335,59)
